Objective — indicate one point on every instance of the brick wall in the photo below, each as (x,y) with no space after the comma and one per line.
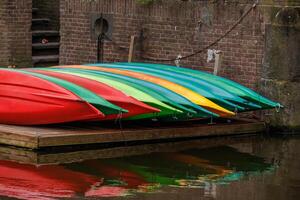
(4,51)
(48,9)
(15,25)
(169,29)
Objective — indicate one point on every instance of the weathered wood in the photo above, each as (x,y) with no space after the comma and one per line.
(218,62)
(39,137)
(20,155)
(21,139)
(84,153)
(131,49)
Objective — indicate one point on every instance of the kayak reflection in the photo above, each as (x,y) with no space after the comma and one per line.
(129,175)
(192,168)
(45,182)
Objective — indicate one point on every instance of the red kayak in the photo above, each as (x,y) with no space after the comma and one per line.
(28,100)
(110,94)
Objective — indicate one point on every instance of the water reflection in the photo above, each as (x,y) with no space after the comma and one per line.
(191,168)
(232,171)
(28,182)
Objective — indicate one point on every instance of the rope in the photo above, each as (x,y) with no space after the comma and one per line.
(119,119)
(189,115)
(210,45)
(278,108)
(236,111)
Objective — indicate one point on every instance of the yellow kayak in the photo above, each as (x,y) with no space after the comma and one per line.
(185,92)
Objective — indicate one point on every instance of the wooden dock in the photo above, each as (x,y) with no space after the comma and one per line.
(54,156)
(86,134)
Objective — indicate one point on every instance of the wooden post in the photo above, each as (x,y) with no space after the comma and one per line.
(131,49)
(218,62)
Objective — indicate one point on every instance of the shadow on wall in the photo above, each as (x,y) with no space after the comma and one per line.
(281,67)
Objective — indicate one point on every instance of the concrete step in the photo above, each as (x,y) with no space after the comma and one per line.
(40,20)
(45,59)
(45,52)
(49,35)
(38,33)
(35,10)
(50,45)
(40,24)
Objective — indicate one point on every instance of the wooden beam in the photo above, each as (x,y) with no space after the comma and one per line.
(218,62)
(131,49)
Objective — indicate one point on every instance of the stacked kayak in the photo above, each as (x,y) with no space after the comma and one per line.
(127,91)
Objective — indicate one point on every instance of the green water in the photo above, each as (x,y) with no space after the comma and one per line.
(255,168)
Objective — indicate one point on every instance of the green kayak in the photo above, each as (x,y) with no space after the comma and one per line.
(101,104)
(159,93)
(166,110)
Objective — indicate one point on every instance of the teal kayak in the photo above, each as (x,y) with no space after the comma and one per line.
(200,83)
(220,82)
(203,89)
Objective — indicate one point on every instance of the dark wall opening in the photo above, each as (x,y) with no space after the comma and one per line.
(48,9)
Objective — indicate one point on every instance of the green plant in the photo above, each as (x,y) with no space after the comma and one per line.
(145,2)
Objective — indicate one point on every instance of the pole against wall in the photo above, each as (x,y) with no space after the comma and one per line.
(131,49)
(218,62)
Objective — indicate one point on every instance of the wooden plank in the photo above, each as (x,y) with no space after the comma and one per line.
(131,49)
(38,137)
(21,140)
(83,137)
(130,150)
(218,62)
(20,155)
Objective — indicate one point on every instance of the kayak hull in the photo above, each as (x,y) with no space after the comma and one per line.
(130,90)
(209,91)
(110,94)
(257,101)
(191,95)
(28,100)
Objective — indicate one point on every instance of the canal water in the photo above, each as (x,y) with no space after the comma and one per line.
(256,168)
